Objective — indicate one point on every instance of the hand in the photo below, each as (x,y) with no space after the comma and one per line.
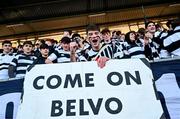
(147,38)
(148,35)
(146,41)
(73,47)
(48,61)
(101,62)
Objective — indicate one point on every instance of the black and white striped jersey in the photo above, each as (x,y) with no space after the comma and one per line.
(5,60)
(61,56)
(89,54)
(172,42)
(21,62)
(150,51)
(112,51)
(162,52)
(121,46)
(58,48)
(136,51)
(80,55)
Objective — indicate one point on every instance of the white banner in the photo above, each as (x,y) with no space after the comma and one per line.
(123,89)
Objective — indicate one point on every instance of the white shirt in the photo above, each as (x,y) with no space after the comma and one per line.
(5,59)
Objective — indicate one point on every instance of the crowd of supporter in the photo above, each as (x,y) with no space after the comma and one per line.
(152,43)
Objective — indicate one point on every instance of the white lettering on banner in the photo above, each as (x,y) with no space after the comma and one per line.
(84,91)
(171,94)
(10,100)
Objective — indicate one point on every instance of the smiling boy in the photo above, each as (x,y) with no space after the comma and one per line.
(20,63)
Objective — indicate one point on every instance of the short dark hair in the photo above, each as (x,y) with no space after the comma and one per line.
(76,38)
(147,23)
(6,42)
(141,31)
(42,41)
(27,42)
(105,31)
(76,35)
(65,40)
(20,46)
(92,27)
(113,32)
(44,46)
(118,33)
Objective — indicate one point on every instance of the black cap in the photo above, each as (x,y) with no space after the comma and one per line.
(44,46)
(65,40)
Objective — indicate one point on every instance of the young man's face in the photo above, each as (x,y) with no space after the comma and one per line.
(27,48)
(94,38)
(151,28)
(44,51)
(65,46)
(7,48)
(106,37)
